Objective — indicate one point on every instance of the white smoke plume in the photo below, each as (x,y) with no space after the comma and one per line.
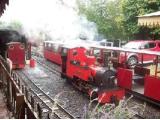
(58,19)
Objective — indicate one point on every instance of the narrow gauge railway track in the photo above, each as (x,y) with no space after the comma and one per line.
(47,103)
(155,105)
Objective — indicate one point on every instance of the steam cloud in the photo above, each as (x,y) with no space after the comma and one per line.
(58,19)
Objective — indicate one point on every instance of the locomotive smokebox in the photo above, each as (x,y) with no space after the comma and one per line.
(105,78)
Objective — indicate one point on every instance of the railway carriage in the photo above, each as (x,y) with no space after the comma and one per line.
(141,81)
(52,51)
(144,80)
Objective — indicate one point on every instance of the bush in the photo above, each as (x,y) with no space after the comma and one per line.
(110,111)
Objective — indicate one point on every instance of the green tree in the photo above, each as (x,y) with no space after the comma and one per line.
(134,8)
(106,14)
(16,25)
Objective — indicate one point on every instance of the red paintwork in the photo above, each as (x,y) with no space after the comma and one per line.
(151,87)
(124,78)
(14,66)
(53,56)
(16,54)
(82,70)
(124,57)
(151,83)
(52,51)
(105,96)
(32,63)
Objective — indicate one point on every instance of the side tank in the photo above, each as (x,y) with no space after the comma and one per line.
(105,77)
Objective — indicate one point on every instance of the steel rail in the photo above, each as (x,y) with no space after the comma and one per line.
(55,71)
(70,116)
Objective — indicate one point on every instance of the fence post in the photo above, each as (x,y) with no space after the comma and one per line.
(20,106)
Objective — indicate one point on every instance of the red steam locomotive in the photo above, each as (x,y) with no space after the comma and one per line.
(81,69)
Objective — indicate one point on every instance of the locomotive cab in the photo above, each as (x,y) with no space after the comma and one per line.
(63,52)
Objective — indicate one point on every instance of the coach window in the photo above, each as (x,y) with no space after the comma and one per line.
(49,46)
(59,48)
(64,51)
(55,48)
(97,52)
(74,52)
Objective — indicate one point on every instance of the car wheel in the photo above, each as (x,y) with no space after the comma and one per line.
(132,61)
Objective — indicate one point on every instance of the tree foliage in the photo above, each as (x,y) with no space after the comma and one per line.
(14,25)
(107,17)
(117,19)
(134,8)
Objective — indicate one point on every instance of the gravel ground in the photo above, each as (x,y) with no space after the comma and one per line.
(147,110)
(58,88)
